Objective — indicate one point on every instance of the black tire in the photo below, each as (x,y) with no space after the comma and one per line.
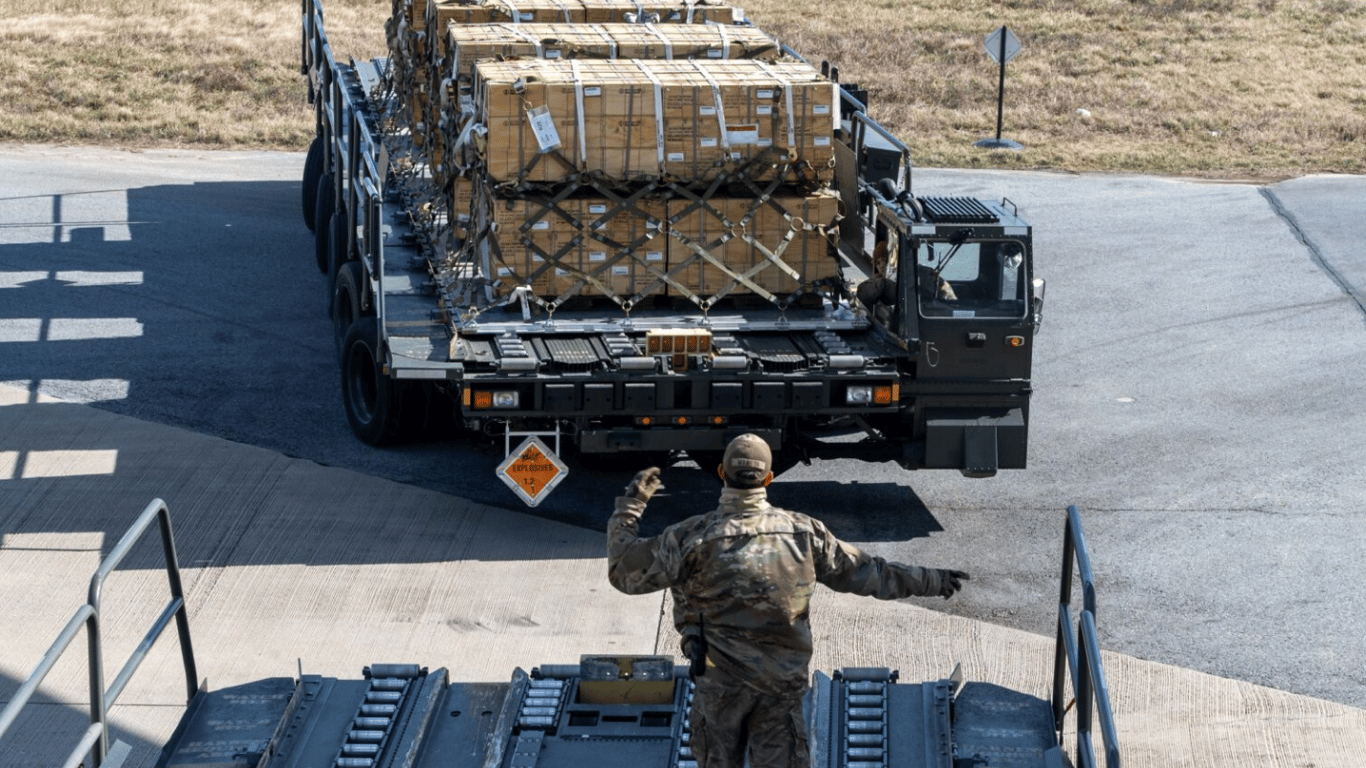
(707,461)
(338,251)
(322,215)
(348,301)
(786,460)
(624,461)
(313,169)
(373,401)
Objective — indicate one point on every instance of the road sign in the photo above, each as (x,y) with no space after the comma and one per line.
(532,470)
(1002,46)
(995,42)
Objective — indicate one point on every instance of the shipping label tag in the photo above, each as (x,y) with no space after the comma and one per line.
(543,125)
(742,134)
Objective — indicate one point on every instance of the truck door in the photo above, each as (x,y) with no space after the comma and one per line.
(973,298)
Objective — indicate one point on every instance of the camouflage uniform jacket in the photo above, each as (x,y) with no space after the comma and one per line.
(745,572)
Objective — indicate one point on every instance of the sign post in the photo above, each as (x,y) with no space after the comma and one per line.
(1002,46)
(532,470)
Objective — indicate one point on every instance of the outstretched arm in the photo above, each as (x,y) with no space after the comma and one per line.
(846,568)
(633,564)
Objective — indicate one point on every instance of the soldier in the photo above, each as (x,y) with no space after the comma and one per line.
(741,577)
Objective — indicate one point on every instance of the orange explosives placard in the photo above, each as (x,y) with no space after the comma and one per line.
(532,470)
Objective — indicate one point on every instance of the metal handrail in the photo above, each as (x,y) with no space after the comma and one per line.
(35,678)
(94,740)
(1079,653)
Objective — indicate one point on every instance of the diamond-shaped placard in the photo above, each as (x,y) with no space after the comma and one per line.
(532,470)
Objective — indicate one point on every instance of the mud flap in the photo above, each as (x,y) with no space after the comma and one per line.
(979,450)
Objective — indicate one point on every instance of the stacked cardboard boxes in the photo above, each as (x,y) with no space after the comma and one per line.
(682,246)
(465,45)
(641,121)
(576,246)
(416,35)
(581,151)
(433,19)
(777,244)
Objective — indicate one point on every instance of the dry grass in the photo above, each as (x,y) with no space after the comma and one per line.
(1261,88)
(165,72)
(1220,88)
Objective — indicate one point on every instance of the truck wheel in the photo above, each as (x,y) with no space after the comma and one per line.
(313,168)
(373,400)
(322,215)
(707,461)
(347,300)
(337,251)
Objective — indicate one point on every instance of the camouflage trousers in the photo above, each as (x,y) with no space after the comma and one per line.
(729,718)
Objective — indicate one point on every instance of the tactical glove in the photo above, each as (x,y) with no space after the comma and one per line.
(644,484)
(950,582)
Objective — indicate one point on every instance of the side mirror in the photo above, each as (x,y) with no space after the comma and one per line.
(1037,302)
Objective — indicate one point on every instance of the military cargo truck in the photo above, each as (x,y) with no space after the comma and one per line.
(620,227)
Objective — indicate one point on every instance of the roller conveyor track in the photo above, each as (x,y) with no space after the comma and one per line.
(559,716)
(373,725)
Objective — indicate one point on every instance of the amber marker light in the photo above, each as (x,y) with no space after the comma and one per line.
(882,394)
(483,400)
(1015,341)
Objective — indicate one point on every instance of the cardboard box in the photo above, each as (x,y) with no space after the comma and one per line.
(557,247)
(741,233)
(436,17)
(637,120)
(467,44)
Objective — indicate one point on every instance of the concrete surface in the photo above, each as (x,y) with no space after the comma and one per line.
(1197,395)
(1196,390)
(288,564)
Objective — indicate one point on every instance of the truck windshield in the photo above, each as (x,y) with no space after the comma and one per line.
(971,279)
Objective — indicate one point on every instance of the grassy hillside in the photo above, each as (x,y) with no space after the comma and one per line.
(1220,88)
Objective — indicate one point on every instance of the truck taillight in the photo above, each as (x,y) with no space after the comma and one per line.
(496,399)
(886,394)
(872,394)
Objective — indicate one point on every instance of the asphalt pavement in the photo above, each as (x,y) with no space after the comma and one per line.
(1195,395)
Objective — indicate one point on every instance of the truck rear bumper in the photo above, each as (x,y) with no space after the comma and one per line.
(974,442)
